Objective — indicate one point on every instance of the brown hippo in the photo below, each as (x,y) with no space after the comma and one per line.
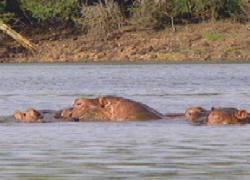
(197,115)
(30,116)
(111,108)
(215,116)
(39,116)
(104,108)
(220,117)
(121,109)
(243,116)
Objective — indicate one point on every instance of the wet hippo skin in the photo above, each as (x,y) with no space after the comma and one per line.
(111,108)
(217,116)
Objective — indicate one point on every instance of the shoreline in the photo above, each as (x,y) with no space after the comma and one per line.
(128,63)
(220,42)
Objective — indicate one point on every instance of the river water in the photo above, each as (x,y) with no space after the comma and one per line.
(165,149)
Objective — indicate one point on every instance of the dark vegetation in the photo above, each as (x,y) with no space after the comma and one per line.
(103,16)
(127,30)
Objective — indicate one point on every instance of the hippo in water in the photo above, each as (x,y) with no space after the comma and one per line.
(217,116)
(244,116)
(197,115)
(112,108)
(103,108)
(235,116)
(39,116)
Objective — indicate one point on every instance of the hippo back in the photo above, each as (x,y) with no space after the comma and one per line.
(121,109)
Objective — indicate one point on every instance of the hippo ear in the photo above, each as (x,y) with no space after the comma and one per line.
(34,113)
(213,108)
(103,101)
(242,114)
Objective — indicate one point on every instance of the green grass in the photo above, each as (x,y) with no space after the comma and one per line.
(213,36)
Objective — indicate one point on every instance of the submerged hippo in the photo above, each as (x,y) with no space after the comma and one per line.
(197,115)
(112,108)
(216,116)
(243,116)
(39,116)
(103,108)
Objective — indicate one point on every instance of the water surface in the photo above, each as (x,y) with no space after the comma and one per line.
(131,150)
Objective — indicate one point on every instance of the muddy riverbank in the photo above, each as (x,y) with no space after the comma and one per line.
(205,42)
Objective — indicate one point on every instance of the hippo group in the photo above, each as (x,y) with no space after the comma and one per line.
(217,116)
(119,109)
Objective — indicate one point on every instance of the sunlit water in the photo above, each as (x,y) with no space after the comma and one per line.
(165,149)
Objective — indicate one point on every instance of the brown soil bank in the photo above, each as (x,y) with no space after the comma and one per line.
(223,42)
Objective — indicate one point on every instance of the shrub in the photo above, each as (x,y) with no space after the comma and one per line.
(102,18)
(208,9)
(2,6)
(159,12)
(44,10)
(151,13)
(4,15)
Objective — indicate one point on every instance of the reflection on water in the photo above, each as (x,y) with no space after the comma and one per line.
(133,150)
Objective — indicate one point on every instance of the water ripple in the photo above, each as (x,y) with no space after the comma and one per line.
(133,150)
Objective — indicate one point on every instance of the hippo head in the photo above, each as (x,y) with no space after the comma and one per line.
(197,115)
(85,110)
(31,115)
(243,116)
(19,115)
(101,108)
(66,115)
(83,106)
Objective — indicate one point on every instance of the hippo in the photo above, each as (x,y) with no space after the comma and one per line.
(243,116)
(220,117)
(103,108)
(113,108)
(216,116)
(39,116)
(197,115)
(30,116)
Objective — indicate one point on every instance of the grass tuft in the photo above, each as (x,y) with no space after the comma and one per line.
(213,36)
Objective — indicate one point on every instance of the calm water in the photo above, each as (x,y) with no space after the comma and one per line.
(134,150)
